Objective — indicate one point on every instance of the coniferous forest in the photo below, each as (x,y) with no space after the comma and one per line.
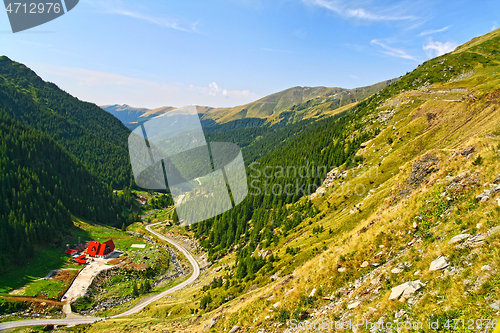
(58,156)
(40,184)
(92,135)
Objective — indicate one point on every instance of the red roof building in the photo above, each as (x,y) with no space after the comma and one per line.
(81,259)
(100,250)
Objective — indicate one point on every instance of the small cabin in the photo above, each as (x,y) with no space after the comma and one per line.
(100,250)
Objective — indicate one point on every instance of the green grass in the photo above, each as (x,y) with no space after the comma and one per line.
(101,233)
(44,261)
(49,288)
(47,259)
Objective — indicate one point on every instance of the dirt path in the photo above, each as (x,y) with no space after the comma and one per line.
(82,282)
(32,299)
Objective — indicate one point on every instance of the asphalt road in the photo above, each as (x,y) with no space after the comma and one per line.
(134,309)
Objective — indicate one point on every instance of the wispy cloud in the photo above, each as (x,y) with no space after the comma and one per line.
(435,48)
(430,32)
(494,27)
(349,9)
(274,50)
(119,7)
(300,33)
(163,22)
(391,51)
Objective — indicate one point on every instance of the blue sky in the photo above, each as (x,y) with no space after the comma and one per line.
(230,52)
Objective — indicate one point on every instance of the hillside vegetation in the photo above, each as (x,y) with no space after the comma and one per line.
(38,191)
(92,135)
(293,104)
(404,228)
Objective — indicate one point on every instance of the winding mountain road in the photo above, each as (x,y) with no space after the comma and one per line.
(76,320)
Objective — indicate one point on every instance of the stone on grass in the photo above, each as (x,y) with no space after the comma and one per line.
(459,238)
(405,290)
(396,270)
(483,197)
(235,328)
(353,305)
(438,264)
(212,322)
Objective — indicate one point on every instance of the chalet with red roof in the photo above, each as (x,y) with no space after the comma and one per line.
(100,250)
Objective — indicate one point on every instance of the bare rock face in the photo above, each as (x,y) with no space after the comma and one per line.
(422,168)
(438,264)
(405,290)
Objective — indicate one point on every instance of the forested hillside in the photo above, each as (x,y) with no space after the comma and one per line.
(40,185)
(297,167)
(92,135)
(416,204)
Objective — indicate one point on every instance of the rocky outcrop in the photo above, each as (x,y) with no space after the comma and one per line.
(106,305)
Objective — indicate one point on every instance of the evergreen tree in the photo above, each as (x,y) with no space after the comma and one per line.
(135,291)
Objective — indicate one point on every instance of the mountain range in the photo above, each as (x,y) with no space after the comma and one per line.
(286,106)
(378,204)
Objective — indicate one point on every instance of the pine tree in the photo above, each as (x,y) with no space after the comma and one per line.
(175,218)
(135,291)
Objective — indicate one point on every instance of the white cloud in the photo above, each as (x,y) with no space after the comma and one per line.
(348,10)
(391,51)
(104,88)
(214,90)
(494,27)
(430,32)
(118,7)
(435,49)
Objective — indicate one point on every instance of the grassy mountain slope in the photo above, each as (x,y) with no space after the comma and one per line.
(383,223)
(95,137)
(300,102)
(377,222)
